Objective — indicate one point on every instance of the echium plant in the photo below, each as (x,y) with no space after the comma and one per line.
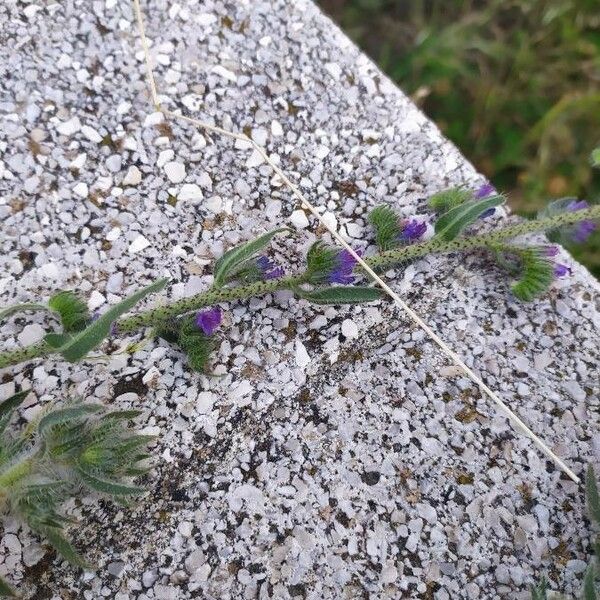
(69,451)
(589,590)
(329,276)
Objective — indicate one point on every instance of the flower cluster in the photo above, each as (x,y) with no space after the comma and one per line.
(343,267)
(268,269)
(581,231)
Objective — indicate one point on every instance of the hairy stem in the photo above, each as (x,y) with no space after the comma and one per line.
(386,259)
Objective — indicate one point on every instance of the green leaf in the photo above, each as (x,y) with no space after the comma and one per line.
(228,264)
(73,311)
(64,547)
(537,274)
(341,295)
(93,335)
(385,223)
(106,486)
(589,585)
(540,591)
(447,199)
(7,312)
(591,492)
(65,415)
(8,406)
(121,415)
(57,340)
(452,223)
(595,157)
(195,343)
(6,590)
(320,261)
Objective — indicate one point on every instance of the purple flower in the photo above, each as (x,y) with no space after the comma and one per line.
(343,268)
(412,230)
(487,189)
(550,251)
(561,270)
(268,270)
(208,320)
(581,231)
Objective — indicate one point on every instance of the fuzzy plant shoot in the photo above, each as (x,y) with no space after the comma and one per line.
(329,277)
(70,451)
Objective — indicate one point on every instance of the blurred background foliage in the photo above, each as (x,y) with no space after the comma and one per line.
(515,84)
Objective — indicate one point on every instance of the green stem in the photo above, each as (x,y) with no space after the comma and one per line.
(380,261)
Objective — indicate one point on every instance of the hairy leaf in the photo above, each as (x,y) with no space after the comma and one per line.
(229,263)
(595,157)
(73,311)
(106,486)
(64,547)
(385,223)
(341,295)
(9,311)
(93,335)
(320,261)
(195,343)
(6,590)
(66,415)
(453,222)
(57,340)
(537,274)
(8,407)
(540,591)
(591,492)
(447,199)
(589,583)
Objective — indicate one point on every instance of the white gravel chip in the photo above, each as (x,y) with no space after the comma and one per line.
(138,244)
(133,176)
(299,219)
(302,357)
(175,171)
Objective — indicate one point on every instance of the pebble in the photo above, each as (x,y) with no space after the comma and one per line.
(81,189)
(69,127)
(190,191)
(349,329)
(91,134)
(299,219)
(139,243)
(175,171)
(133,176)
(302,357)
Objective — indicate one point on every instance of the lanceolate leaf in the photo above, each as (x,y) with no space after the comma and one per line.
(106,486)
(65,415)
(8,406)
(450,224)
(62,545)
(57,340)
(228,264)
(589,583)
(88,339)
(73,311)
(17,308)
(6,590)
(591,491)
(385,223)
(537,273)
(447,199)
(540,591)
(341,295)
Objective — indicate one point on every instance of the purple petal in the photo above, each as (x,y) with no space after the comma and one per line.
(577,205)
(209,320)
(344,267)
(412,230)
(268,269)
(550,251)
(487,189)
(582,231)
(561,270)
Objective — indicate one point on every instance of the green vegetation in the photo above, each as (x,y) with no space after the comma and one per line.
(514,83)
